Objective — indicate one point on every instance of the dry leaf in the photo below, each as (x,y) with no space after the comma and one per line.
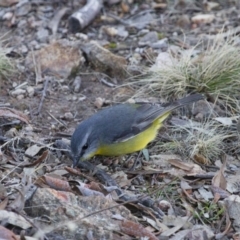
(136,230)
(203,18)
(219,179)
(56,184)
(14,219)
(12,113)
(39,160)
(7,234)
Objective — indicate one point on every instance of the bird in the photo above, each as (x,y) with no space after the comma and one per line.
(122,129)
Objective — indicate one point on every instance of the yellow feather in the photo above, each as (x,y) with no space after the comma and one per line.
(135,143)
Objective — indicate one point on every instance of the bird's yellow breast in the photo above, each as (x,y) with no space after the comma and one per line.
(136,143)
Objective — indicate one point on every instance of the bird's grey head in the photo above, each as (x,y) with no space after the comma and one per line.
(84,143)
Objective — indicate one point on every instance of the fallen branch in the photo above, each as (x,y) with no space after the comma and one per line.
(84,16)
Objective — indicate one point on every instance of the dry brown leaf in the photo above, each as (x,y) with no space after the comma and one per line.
(3,204)
(227,227)
(56,184)
(8,3)
(178,224)
(190,169)
(201,159)
(39,160)
(222,193)
(12,113)
(19,202)
(3,192)
(86,191)
(7,234)
(179,164)
(33,150)
(136,230)
(219,179)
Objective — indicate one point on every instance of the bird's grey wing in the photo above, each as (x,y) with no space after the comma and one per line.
(145,114)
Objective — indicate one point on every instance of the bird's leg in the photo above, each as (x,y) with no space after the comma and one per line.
(136,161)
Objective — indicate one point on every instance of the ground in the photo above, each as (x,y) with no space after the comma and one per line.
(65,74)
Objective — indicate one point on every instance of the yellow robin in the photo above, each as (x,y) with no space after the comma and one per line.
(122,129)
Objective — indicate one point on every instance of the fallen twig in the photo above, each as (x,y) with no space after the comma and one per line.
(84,16)
(43,96)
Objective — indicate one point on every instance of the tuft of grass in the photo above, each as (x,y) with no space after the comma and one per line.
(209,212)
(205,139)
(6,64)
(215,71)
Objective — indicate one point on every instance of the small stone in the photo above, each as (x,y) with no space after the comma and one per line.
(99,102)
(30,91)
(7,16)
(82,36)
(161,44)
(20,97)
(42,34)
(23,9)
(65,88)
(77,84)
(74,98)
(23,49)
(18,92)
(68,116)
(53,126)
(82,98)
(22,23)
(148,39)
(29,128)
(33,43)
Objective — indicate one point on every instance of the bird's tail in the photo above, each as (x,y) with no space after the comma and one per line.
(183,101)
(189,99)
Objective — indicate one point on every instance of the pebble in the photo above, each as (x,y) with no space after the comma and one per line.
(74,98)
(148,39)
(82,36)
(68,116)
(77,84)
(20,97)
(29,128)
(99,102)
(23,10)
(18,92)
(163,45)
(2,13)
(23,49)
(65,88)
(7,16)
(30,91)
(42,34)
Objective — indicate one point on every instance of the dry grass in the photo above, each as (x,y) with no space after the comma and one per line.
(215,71)
(205,139)
(6,64)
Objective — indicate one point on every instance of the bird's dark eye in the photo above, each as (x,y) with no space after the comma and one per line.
(85,146)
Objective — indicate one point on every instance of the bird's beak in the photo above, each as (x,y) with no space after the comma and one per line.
(75,162)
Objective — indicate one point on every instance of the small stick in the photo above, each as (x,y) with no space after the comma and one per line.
(43,96)
(61,123)
(84,16)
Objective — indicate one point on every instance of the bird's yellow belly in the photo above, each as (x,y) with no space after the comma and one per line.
(135,143)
